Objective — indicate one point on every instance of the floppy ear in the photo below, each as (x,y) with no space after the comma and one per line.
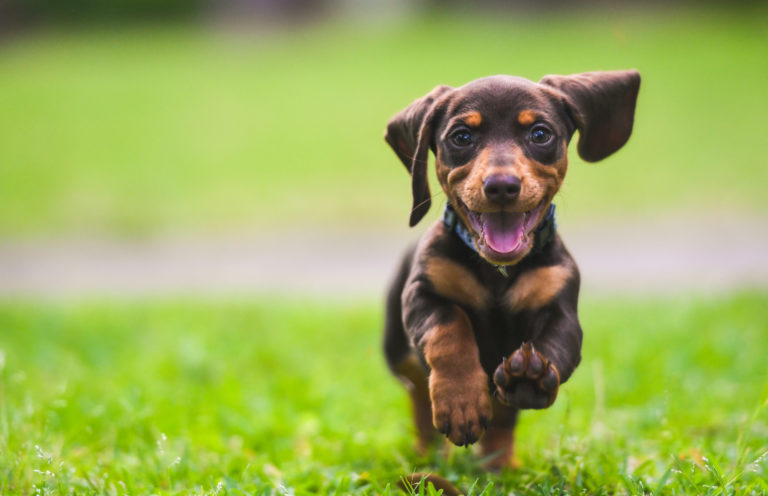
(602,106)
(409,133)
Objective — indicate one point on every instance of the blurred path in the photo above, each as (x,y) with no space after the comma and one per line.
(710,255)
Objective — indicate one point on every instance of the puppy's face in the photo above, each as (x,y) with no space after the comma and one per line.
(500,145)
(500,149)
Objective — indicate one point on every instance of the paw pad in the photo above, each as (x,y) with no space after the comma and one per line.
(526,379)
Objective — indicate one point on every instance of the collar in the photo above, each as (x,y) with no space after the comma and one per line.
(542,236)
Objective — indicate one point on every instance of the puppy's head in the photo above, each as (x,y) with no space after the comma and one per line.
(500,145)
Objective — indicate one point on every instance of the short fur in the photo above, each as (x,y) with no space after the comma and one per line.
(452,316)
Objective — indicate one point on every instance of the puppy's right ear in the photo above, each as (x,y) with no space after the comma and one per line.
(410,135)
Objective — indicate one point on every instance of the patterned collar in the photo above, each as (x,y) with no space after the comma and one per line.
(543,235)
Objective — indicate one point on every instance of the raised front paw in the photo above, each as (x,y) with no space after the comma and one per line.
(461,406)
(526,379)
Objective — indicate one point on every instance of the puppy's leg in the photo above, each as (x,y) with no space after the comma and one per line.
(414,376)
(497,445)
(531,376)
(404,362)
(458,386)
(527,379)
(441,331)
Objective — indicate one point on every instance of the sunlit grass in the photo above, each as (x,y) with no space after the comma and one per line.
(131,130)
(294,398)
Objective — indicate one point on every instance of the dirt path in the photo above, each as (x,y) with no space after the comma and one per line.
(670,257)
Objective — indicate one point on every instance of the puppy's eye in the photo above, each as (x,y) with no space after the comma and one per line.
(462,138)
(540,135)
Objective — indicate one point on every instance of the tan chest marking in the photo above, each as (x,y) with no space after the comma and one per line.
(538,287)
(456,282)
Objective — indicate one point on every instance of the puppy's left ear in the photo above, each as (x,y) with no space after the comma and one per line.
(409,133)
(602,106)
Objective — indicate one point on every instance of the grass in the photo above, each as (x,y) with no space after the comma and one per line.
(133,130)
(141,129)
(283,397)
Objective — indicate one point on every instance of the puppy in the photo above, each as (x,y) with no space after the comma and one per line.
(481,317)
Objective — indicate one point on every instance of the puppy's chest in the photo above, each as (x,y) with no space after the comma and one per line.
(491,301)
(485,291)
(496,318)
(503,311)
(499,331)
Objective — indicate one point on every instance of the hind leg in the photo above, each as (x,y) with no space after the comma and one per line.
(499,440)
(413,375)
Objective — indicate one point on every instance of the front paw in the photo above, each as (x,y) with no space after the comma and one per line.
(461,406)
(527,379)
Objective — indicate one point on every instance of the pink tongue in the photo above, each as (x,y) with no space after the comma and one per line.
(503,230)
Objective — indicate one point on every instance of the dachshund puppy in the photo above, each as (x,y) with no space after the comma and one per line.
(481,317)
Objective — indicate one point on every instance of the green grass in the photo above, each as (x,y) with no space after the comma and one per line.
(294,398)
(131,130)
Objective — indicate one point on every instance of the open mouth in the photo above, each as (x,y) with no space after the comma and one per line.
(504,236)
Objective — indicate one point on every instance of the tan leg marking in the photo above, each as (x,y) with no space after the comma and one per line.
(536,288)
(458,386)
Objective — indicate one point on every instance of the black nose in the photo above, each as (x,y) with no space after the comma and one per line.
(501,188)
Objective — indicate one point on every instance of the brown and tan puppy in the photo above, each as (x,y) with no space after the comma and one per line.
(481,317)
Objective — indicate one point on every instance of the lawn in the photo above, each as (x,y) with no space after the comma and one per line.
(289,397)
(162,129)
(138,129)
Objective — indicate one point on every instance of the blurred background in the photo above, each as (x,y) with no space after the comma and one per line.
(199,215)
(235,145)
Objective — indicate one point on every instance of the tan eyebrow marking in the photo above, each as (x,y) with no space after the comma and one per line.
(473,119)
(526,117)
